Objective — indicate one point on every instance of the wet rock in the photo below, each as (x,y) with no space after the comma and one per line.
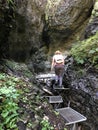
(92,28)
(40,23)
(21,125)
(83,93)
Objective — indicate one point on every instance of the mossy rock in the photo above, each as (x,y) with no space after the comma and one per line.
(19,68)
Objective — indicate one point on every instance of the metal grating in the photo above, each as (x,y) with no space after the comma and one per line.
(55,99)
(45,76)
(57,87)
(71,116)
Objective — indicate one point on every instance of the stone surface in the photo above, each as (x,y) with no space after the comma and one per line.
(47,23)
(83,93)
(92,26)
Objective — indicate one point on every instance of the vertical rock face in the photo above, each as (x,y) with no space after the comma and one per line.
(83,93)
(26,35)
(49,23)
(92,27)
(66,21)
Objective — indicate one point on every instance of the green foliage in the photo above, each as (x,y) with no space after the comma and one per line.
(86,51)
(19,68)
(46,125)
(7,5)
(65,129)
(8,105)
(10,2)
(56,113)
(7,12)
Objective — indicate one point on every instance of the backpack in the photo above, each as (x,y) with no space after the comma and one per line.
(58,59)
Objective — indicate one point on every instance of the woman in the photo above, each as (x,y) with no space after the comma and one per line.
(58,65)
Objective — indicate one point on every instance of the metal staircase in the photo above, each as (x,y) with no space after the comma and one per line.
(71,116)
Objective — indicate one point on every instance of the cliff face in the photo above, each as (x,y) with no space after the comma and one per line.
(92,27)
(26,35)
(67,22)
(83,93)
(52,24)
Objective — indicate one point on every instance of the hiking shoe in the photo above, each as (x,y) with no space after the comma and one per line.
(56,82)
(61,86)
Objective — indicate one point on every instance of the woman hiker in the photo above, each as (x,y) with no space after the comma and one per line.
(58,66)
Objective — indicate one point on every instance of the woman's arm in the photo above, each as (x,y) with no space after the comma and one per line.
(63,61)
(53,63)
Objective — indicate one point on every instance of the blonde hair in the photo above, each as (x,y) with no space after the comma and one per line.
(57,52)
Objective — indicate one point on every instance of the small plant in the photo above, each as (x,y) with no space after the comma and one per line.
(65,129)
(8,102)
(86,51)
(8,108)
(56,113)
(45,124)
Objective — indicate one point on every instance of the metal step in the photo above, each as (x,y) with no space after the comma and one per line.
(55,99)
(60,88)
(45,76)
(71,116)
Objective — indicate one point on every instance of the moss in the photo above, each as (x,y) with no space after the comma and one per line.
(19,68)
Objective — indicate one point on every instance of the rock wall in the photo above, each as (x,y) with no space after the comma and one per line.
(92,27)
(53,24)
(83,93)
(26,35)
(67,22)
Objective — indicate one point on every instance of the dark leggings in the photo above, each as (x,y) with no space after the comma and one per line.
(59,71)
